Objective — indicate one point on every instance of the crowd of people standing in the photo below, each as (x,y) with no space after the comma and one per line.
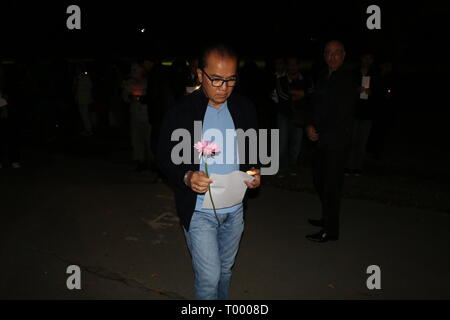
(51,98)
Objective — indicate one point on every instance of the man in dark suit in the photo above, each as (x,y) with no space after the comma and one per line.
(330,127)
(213,240)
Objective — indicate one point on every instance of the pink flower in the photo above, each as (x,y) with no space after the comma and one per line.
(207,148)
(200,146)
(211,149)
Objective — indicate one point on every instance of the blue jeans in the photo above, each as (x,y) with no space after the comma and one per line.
(213,250)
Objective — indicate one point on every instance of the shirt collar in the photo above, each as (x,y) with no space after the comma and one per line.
(222,107)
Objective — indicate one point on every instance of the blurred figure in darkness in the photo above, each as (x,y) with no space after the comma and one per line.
(290,90)
(276,70)
(82,87)
(179,77)
(329,126)
(363,116)
(10,120)
(385,113)
(159,96)
(134,92)
(192,82)
(256,85)
(115,102)
(45,78)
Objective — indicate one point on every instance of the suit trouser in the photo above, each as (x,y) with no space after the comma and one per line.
(328,175)
(140,141)
(360,136)
(290,141)
(83,108)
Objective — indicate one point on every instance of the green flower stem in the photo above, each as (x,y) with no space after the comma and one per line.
(210,195)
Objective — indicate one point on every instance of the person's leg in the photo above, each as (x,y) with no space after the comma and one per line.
(147,131)
(136,141)
(204,248)
(229,236)
(333,180)
(317,174)
(83,108)
(317,171)
(355,142)
(295,144)
(282,124)
(143,144)
(364,131)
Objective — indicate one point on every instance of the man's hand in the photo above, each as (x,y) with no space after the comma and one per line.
(312,133)
(198,181)
(297,95)
(368,91)
(255,183)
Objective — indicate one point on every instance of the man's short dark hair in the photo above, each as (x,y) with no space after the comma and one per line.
(340,43)
(221,49)
(292,56)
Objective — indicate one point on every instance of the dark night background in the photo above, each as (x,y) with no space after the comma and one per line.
(83,188)
(413,36)
(411,31)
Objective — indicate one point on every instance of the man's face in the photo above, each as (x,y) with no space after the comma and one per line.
(280,67)
(217,67)
(148,65)
(367,60)
(334,55)
(386,68)
(293,66)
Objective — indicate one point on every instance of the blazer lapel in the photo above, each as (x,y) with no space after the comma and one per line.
(200,104)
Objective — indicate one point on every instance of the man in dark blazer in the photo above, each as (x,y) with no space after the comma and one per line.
(330,127)
(213,244)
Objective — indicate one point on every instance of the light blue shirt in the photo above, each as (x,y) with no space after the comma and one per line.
(219,120)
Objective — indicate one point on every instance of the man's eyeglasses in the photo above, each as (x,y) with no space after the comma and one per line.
(218,82)
(333,53)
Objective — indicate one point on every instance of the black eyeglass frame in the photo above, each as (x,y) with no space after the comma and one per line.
(235,78)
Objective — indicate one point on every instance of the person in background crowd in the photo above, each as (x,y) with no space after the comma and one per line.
(290,90)
(82,87)
(192,82)
(384,113)
(158,98)
(135,90)
(179,77)
(276,68)
(9,125)
(329,125)
(363,116)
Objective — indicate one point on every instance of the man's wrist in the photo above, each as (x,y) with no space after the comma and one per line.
(187,178)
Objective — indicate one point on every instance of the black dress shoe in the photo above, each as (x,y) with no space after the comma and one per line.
(316,223)
(321,236)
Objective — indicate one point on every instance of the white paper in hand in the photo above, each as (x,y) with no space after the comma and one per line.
(365,83)
(227,190)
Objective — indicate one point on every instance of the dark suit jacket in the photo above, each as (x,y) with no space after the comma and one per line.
(188,109)
(333,107)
